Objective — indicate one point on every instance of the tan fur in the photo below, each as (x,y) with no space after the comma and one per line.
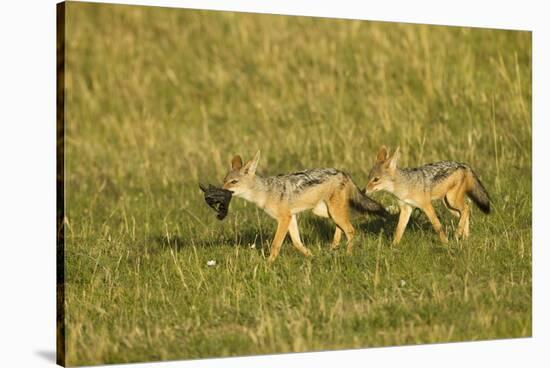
(330,197)
(412,192)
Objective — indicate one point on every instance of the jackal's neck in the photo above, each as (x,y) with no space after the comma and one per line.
(397,188)
(257,192)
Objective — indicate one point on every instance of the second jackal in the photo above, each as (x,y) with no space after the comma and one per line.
(419,186)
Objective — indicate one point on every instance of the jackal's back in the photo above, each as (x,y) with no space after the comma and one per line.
(291,185)
(430,175)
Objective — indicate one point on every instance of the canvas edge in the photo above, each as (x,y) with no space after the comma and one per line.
(60,180)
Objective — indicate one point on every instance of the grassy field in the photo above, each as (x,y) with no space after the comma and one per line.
(160,99)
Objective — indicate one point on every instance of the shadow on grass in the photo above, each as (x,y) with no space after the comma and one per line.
(246,238)
(320,229)
(377,225)
(418,223)
(323,229)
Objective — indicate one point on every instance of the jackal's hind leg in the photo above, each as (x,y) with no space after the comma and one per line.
(455,200)
(452,210)
(432,216)
(338,211)
(337,238)
(295,237)
(464,223)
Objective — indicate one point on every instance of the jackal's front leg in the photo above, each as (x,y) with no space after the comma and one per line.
(282,228)
(404,216)
(295,237)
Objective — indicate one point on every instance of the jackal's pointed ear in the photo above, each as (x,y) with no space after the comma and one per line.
(393,160)
(382,154)
(250,167)
(236,162)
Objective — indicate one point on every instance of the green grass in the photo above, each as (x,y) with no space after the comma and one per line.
(160,99)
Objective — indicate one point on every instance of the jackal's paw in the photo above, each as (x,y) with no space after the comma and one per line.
(308,253)
(349,252)
(271,259)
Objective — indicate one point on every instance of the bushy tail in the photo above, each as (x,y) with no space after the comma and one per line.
(477,192)
(360,202)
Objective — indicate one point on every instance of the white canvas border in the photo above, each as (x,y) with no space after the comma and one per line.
(27,185)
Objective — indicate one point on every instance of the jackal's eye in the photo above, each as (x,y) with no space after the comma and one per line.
(233,181)
(376,179)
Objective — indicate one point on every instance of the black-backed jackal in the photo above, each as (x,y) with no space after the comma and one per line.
(328,192)
(419,186)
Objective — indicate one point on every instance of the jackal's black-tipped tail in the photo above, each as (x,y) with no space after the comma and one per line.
(478,194)
(362,203)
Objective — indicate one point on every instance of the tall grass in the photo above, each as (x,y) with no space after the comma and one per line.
(159,99)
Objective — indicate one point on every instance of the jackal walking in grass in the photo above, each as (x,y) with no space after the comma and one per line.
(328,192)
(419,186)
